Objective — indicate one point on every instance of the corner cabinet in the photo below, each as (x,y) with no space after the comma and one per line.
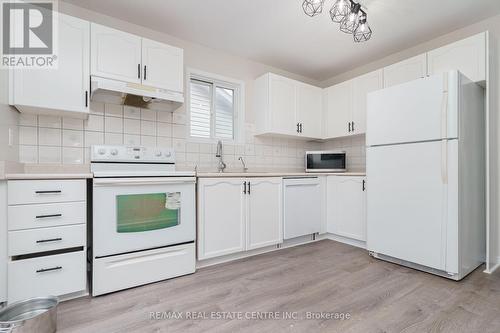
(60,91)
(345,105)
(467,55)
(118,55)
(238,214)
(288,107)
(405,71)
(346,206)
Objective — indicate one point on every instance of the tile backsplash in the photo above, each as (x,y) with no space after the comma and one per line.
(67,141)
(354,147)
(60,140)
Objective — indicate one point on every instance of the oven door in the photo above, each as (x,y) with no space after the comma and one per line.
(133,214)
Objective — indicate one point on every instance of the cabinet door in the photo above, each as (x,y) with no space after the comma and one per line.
(264,212)
(467,55)
(405,71)
(115,54)
(338,110)
(361,87)
(302,207)
(65,88)
(309,110)
(282,105)
(221,220)
(162,65)
(346,207)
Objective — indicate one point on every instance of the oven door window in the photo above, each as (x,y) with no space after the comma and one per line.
(147,212)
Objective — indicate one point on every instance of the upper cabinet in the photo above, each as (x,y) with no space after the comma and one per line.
(467,55)
(64,90)
(405,71)
(338,110)
(126,57)
(345,105)
(162,65)
(287,107)
(362,85)
(309,110)
(115,54)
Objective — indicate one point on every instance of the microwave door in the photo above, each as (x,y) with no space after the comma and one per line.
(325,162)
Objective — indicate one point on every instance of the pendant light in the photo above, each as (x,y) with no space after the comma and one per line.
(348,13)
(313,7)
(350,22)
(340,10)
(363,32)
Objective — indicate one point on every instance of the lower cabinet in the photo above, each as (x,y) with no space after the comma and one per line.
(346,206)
(238,214)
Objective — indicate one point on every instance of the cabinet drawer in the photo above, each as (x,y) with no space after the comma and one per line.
(46,191)
(46,239)
(46,215)
(51,275)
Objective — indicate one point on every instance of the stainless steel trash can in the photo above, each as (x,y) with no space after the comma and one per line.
(36,315)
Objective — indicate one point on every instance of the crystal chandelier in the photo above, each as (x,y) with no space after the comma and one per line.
(350,15)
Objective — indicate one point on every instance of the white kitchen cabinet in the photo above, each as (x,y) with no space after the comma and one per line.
(115,54)
(405,71)
(238,214)
(467,55)
(264,213)
(345,110)
(346,206)
(338,110)
(125,57)
(221,217)
(64,90)
(162,65)
(303,206)
(309,110)
(287,107)
(47,217)
(362,85)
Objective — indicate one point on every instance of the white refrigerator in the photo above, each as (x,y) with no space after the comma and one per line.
(425,165)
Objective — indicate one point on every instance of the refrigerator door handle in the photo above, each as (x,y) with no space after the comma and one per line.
(444,108)
(444,161)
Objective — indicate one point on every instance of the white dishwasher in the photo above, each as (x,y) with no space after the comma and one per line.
(303,206)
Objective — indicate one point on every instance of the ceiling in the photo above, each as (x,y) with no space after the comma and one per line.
(278,33)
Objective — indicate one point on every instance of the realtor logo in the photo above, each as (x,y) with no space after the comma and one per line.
(28,34)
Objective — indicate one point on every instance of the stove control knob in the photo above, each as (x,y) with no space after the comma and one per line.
(114,152)
(158,153)
(101,151)
(168,154)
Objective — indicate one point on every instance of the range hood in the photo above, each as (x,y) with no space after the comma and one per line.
(134,94)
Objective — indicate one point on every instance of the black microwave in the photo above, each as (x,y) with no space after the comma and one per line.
(325,161)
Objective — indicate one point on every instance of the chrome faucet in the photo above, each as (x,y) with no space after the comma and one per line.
(221,165)
(245,169)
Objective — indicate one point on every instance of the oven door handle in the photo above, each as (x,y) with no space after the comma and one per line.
(143,181)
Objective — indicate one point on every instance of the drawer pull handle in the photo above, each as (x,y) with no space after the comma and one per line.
(47,216)
(49,240)
(48,192)
(42,270)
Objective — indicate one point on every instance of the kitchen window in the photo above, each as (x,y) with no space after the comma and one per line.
(214,108)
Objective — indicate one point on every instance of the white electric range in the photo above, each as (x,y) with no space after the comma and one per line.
(144,224)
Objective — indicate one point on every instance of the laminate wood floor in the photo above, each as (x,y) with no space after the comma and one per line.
(325,276)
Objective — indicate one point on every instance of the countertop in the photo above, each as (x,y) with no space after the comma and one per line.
(29,176)
(274,174)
